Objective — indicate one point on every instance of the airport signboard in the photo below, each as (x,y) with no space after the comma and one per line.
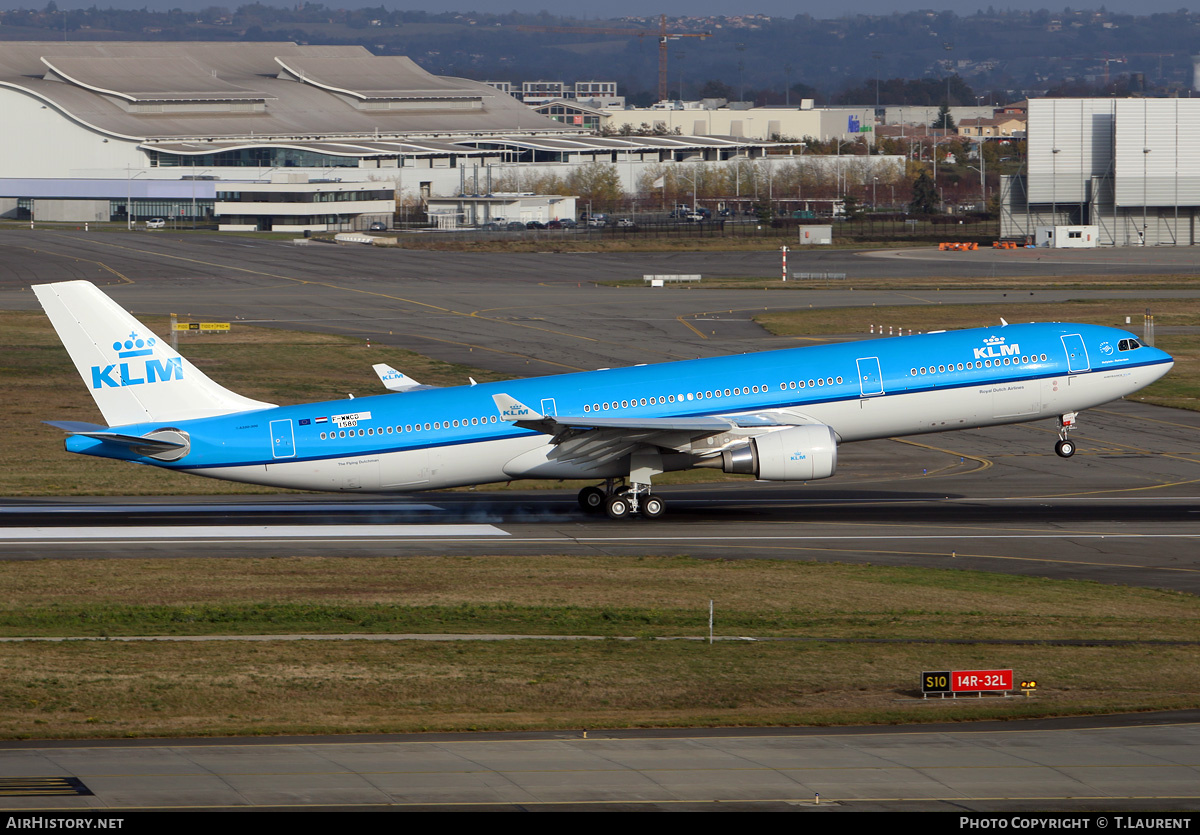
(966,681)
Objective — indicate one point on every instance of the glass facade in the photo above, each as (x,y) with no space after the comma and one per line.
(572,116)
(252,158)
(200,210)
(304,196)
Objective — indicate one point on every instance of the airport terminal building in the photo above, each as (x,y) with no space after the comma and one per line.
(271,136)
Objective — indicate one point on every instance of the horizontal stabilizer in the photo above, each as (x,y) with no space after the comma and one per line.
(394,380)
(103,433)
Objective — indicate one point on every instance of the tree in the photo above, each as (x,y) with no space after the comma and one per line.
(851,209)
(924,195)
(944,120)
(597,183)
(714,89)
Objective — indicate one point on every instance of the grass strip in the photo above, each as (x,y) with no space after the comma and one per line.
(109,688)
(142,690)
(545,595)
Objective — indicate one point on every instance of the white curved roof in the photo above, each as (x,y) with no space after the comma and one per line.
(256,91)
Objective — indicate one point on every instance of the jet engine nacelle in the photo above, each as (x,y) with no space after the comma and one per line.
(801,453)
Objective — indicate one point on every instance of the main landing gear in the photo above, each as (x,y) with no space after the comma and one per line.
(1065,448)
(621,502)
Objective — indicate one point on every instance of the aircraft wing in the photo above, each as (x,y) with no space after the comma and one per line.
(600,439)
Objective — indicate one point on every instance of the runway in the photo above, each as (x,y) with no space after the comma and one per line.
(1122,511)
(1072,765)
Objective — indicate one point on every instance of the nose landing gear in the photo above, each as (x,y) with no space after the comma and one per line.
(1065,448)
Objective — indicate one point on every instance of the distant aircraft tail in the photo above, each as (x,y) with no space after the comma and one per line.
(133,375)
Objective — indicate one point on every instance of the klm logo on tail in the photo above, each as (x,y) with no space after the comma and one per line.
(127,373)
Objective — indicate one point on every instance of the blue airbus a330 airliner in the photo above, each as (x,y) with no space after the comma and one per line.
(777,415)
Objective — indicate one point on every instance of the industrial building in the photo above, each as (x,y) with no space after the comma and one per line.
(713,117)
(1128,167)
(270,136)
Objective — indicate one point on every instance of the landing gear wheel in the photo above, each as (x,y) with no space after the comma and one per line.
(618,507)
(591,500)
(1065,448)
(653,507)
(622,490)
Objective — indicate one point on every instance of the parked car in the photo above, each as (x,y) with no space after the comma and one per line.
(515,226)
(378,226)
(554,224)
(491,227)
(625,223)
(568,223)
(596,221)
(156,223)
(535,224)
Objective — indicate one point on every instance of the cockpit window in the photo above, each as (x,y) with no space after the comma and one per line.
(1128,345)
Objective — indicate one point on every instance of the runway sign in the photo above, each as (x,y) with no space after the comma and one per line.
(966,681)
(203,327)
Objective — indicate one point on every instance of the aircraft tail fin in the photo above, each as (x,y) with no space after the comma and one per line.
(513,410)
(394,380)
(133,375)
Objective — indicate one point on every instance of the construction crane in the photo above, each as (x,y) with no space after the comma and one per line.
(663,37)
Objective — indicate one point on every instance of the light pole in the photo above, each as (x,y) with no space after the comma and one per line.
(129,196)
(694,177)
(741,66)
(800,176)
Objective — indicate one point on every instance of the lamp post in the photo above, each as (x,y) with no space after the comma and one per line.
(129,196)
(800,176)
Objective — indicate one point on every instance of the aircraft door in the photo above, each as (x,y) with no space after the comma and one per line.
(548,407)
(283,439)
(870,379)
(1077,357)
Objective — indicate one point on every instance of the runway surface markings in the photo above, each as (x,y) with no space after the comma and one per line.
(252,532)
(332,286)
(302,507)
(99,264)
(736,543)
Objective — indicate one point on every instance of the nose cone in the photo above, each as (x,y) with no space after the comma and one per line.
(1163,362)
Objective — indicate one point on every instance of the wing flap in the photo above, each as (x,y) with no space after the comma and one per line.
(598,440)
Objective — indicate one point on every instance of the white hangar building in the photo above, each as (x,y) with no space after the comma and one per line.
(266,135)
(1128,167)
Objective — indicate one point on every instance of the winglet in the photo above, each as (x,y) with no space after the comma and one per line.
(513,410)
(394,380)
